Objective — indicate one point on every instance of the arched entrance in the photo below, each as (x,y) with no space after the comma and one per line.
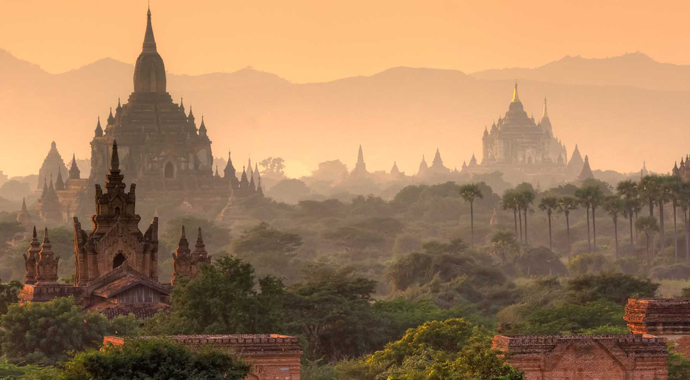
(119,260)
(169,170)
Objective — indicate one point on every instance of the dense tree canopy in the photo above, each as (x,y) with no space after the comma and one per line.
(149,359)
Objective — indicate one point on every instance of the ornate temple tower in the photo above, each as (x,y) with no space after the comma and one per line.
(517,140)
(360,169)
(437,166)
(46,262)
(186,262)
(115,237)
(53,165)
(157,140)
(30,259)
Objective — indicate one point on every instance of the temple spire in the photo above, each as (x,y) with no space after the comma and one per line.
(111,118)
(360,155)
(74,172)
(149,40)
(202,128)
(115,159)
(546,113)
(516,97)
(99,130)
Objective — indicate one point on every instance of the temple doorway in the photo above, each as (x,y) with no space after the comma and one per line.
(169,170)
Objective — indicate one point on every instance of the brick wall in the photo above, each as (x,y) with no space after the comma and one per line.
(273,357)
(622,357)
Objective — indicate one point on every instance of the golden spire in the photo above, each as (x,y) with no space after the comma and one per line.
(516,98)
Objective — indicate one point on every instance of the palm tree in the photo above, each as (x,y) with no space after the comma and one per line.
(628,190)
(674,187)
(597,195)
(583,198)
(614,205)
(549,204)
(684,202)
(565,205)
(525,198)
(469,193)
(509,201)
(649,190)
(648,225)
(665,184)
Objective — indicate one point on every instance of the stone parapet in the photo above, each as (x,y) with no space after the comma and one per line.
(47,292)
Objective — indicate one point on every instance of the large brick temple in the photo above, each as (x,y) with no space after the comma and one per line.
(161,149)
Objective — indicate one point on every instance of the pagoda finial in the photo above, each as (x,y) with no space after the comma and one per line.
(111,118)
(99,130)
(149,40)
(360,155)
(516,97)
(115,159)
(546,113)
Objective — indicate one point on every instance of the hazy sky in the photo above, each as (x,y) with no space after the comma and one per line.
(318,40)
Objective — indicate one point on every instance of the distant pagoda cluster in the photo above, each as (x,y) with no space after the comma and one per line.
(516,146)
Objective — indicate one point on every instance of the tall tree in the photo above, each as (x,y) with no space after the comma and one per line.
(614,206)
(649,190)
(525,199)
(584,199)
(629,191)
(565,205)
(684,203)
(647,225)
(469,193)
(664,195)
(596,197)
(509,201)
(675,188)
(549,205)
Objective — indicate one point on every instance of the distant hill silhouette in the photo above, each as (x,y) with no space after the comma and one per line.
(634,69)
(397,115)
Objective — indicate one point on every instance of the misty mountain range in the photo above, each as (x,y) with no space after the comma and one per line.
(620,111)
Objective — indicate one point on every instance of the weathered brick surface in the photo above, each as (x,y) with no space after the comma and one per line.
(659,317)
(272,356)
(594,357)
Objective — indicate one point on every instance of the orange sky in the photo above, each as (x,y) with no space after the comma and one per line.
(318,40)
(321,40)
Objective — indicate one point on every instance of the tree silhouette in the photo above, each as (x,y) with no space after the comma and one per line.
(549,204)
(629,191)
(647,225)
(525,198)
(614,206)
(649,188)
(509,201)
(469,193)
(565,205)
